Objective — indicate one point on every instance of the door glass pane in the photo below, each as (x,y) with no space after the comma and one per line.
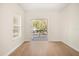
(39,30)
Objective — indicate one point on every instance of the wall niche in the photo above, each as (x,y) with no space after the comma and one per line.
(16,26)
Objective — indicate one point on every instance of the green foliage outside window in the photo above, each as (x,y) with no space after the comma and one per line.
(40,25)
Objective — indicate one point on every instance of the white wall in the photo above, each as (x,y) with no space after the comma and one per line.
(62,26)
(70,25)
(53,24)
(7,44)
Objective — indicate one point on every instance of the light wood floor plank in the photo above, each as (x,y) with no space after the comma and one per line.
(44,48)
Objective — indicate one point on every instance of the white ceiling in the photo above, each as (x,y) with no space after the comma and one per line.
(43,6)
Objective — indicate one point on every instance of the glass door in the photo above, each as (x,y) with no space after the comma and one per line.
(39,30)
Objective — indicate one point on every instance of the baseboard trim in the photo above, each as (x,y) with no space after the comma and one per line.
(77,50)
(13,49)
(54,41)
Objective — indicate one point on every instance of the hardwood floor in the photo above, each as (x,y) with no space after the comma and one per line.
(44,48)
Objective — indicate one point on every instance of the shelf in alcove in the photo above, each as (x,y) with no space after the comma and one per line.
(16,25)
